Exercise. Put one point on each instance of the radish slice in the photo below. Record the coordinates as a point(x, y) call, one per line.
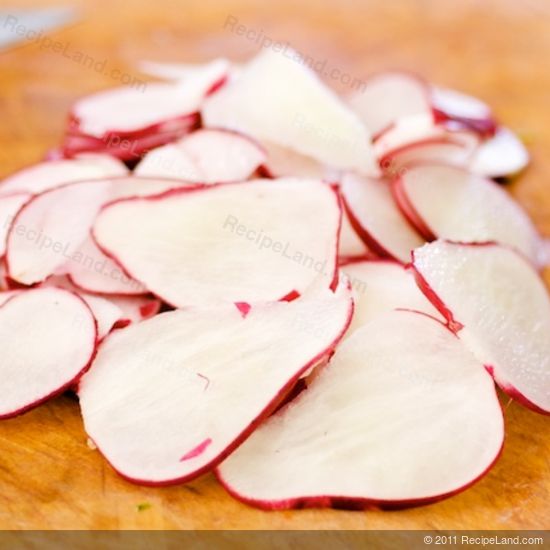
point(469, 111)
point(376, 218)
point(47, 175)
point(403, 415)
point(388, 97)
point(48, 230)
point(48, 341)
point(350, 244)
point(215, 71)
point(453, 148)
point(177, 404)
point(91, 270)
point(6, 295)
point(282, 161)
point(497, 301)
point(450, 203)
point(382, 286)
point(244, 242)
point(9, 206)
point(206, 156)
point(132, 109)
point(501, 156)
point(305, 116)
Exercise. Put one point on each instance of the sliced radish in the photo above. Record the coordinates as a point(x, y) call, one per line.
point(48, 341)
point(469, 111)
point(91, 270)
point(403, 415)
point(244, 242)
point(455, 148)
point(49, 229)
point(501, 308)
point(190, 385)
point(380, 286)
point(389, 96)
point(502, 155)
point(350, 244)
point(376, 218)
point(305, 116)
point(9, 206)
point(215, 71)
point(283, 162)
point(47, 175)
point(206, 156)
point(5, 295)
point(451, 203)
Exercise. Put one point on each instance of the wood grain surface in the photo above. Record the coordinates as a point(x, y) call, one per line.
point(498, 50)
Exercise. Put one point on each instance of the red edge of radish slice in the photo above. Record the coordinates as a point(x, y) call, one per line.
point(340, 318)
point(276, 443)
point(80, 319)
point(458, 324)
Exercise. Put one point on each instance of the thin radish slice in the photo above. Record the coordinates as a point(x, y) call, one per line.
point(284, 162)
point(376, 218)
point(469, 111)
point(501, 156)
point(47, 175)
point(500, 307)
point(9, 206)
point(133, 109)
point(177, 404)
point(389, 96)
point(48, 341)
point(453, 148)
point(451, 203)
point(381, 286)
point(91, 270)
point(403, 415)
point(350, 244)
point(306, 116)
point(48, 230)
point(206, 156)
point(241, 242)
point(217, 70)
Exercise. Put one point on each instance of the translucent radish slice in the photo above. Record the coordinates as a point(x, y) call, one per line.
point(376, 218)
point(388, 97)
point(190, 385)
point(305, 116)
point(9, 206)
point(501, 156)
point(402, 415)
point(451, 203)
point(206, 156)
point(244, 242)
point(48, 339)
point(501, 308)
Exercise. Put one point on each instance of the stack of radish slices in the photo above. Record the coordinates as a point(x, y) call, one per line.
point(313, 296)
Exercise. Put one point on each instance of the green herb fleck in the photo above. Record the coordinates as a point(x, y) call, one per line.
point(142, 506)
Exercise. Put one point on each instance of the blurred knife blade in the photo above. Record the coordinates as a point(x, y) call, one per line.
point(19, 26)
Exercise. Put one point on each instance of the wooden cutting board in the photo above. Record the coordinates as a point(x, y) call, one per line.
point(49, 478)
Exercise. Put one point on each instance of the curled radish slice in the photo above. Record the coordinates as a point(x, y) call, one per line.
point(402, 415)
point(206, 156)
point(306, 116)
point(389, 96)
point(376, 218)
point(48, 339)
point(240, 242)
point(501, 156)
point(500, 307)
point(451, 203)
point(177, 404)
point(380, 286)
point(47, 175)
